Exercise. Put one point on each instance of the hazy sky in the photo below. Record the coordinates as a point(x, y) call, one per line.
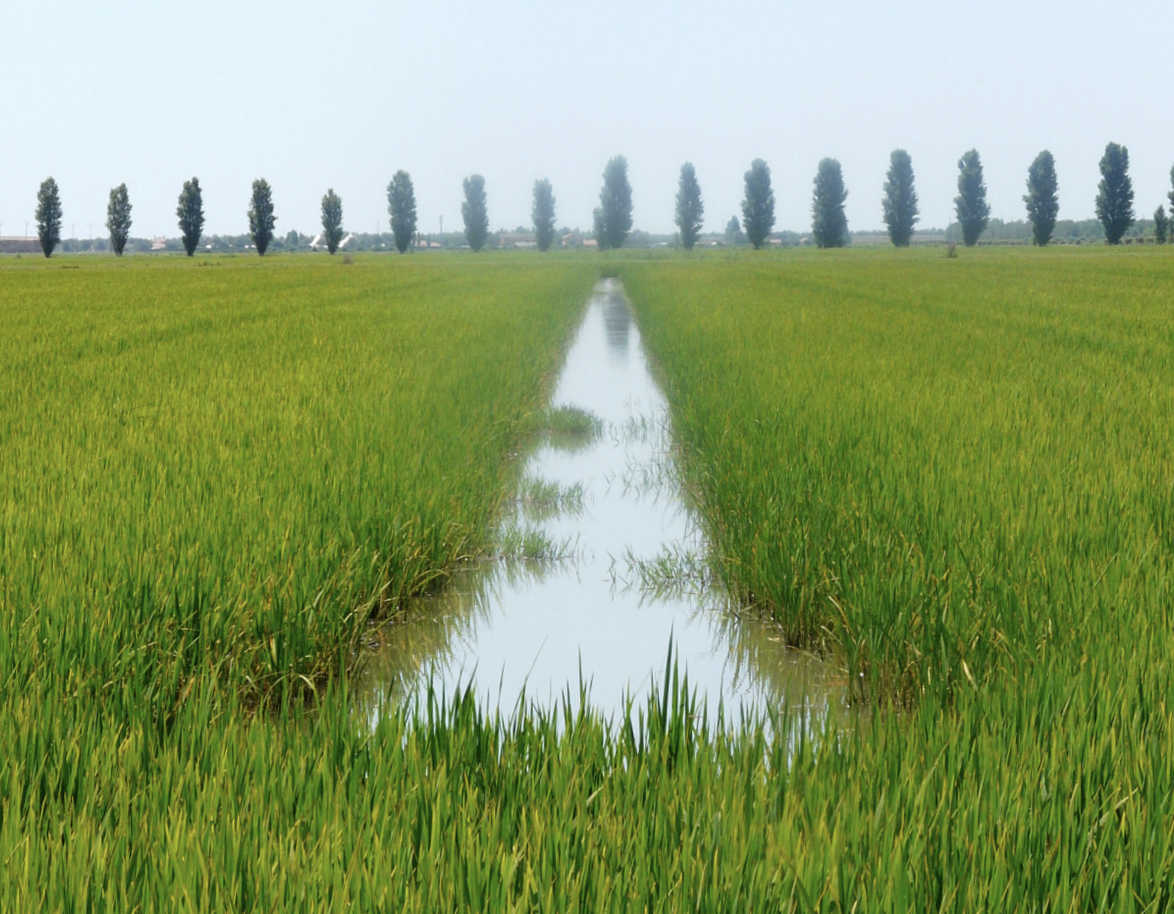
point(318, 95)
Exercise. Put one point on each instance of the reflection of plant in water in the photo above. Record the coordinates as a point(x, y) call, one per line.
point(758, 651)
point(641, 429)
point(756, 646)
point(676, 572)
point(423, 636)
point(519, 541)
point(570, 428)
point(541, 498)
point(423, 633)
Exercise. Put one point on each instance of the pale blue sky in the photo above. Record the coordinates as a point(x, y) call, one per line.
point(318, 95)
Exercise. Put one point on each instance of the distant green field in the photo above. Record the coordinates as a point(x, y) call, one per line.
point(954, 475)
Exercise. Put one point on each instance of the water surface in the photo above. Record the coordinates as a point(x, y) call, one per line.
point(634, 575)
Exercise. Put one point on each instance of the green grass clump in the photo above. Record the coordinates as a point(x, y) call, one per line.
point(569, 428)
point(542, 498)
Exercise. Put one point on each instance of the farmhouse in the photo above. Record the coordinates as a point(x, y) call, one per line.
point(517, 240)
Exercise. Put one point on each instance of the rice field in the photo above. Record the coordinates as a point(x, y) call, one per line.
point(953, 475)
point(956, 475)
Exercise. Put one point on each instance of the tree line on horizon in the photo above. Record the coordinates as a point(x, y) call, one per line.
point(612, 219)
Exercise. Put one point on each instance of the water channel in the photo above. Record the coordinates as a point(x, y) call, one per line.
point(631, 577)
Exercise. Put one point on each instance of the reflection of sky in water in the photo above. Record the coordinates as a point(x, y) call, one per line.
point(509, 627)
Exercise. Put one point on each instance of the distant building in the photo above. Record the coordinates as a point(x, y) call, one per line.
point(159, 243)
point(572, 240)
point(20, 244)
point(518, 240)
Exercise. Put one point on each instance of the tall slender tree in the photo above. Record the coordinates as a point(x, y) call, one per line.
point(1043, 206)
point(734, 233)
point(829, 225)
point(900, 199)
point(191, 214)
point(48, 215)
point(598, 229)
point(1170, 195)
point(475, 212)
point(973, 211)
point(542, 212)
point(690, 209)
point(615, 203)
point(1161, 224)
point(331, 220)
point(261, 218)
point(1115, 193)
point(758, 204)
point(401, 206)
point(118, 218)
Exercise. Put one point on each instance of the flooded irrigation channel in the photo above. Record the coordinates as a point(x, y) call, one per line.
point(626, 573)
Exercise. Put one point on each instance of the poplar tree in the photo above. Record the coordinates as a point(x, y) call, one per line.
point(734, 233)
point(191, 214)
point(475, 212)
point(118, 218)
point(1115, 193)
point(401, 206)
point(542, 212)
point(900, 199)
point(690, 209)
point(615, 204)
point(973, 211)
point(48, 215)
point(331, 220)
point(829, 224)
point(1161, 224)
point(758, 204)
point(1043, 206)
point(261, 218)
point(598, 229)
point(1170, 195)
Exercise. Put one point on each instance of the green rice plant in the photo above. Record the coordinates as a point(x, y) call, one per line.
point(522, 541)
point(543, 498)
point(240, 467)
point(955, 478)
point(674, 572)
point(954, 474)
point(950, 468)
point(569, 428)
